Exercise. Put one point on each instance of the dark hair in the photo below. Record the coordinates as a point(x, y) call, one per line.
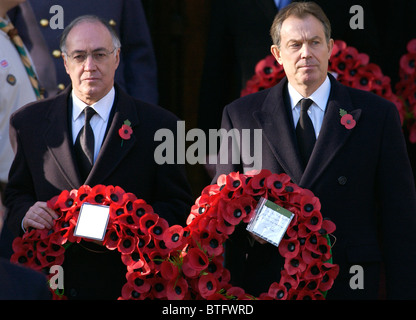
point(88, 18)
point(300, 10)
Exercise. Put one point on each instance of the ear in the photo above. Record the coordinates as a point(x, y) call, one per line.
point(65, 62)
point(276, 53)
point(330, 47)
point(118, 57)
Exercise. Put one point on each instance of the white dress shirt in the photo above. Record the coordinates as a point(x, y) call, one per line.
point(317, 110)
point(98, 122)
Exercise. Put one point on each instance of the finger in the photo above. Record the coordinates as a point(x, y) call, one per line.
point(28, 222)
point(39, 217)
point(42, 209)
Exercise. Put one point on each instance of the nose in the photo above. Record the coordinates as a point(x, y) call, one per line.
point(305, 51)
point(89, 63)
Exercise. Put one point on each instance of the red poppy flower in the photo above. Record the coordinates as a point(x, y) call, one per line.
point(140, 208)
point(237, 210)
point(114, 194)
point(330, 272)
point(140, 283)
point(213, 244)
point(408, 63)
point(173, 236)
point(168, 270)
point(308, 204)
point(148, 220)
point(66, 200)
point(314, 221)
point(129, 293)
point(289, 248)
point(216, 266)
point(277, 291)
point(276, 183)
point(135, 260)
point(176, 289)
point(348, 121)
point(196, 258)
point(125, 131)
point(158, 287)
point(127, 244)
point(23, 251)
point(236, 293)
point(158, 229)
point(306, 294)
point(207, 285)
point(295, 265)
point(97, 195)
point(327, 227)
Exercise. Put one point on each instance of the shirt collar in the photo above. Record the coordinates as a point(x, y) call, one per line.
point(319, 97)
point(102, 106)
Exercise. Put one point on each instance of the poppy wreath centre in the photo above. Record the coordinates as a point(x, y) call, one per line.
point(178, 263)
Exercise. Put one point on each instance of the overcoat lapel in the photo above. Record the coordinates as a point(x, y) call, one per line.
point(114, 148)
point(58, 139)
point(279, 133)
point(278, 130)
point(333, 134)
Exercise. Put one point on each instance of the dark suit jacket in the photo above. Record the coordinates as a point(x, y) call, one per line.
point(20, 283)
point(362, 177)
point(44, 164)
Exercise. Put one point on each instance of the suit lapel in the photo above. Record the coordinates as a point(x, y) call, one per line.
point(114, 149)
point(58, 139)
point(278, 130)
point(333, 134)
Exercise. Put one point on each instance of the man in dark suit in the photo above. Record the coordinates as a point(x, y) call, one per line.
point(359, 170)
point(46, 135)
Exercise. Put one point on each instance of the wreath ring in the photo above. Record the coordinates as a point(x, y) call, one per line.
point(175, 262)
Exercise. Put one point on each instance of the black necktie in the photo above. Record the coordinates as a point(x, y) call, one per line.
point(305, 132)
point(84, 145)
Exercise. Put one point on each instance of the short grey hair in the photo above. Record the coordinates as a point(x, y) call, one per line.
point(300, 10)
point(89, 18)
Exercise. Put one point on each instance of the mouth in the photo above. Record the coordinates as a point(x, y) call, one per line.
point(308, 66)
point(90, 79)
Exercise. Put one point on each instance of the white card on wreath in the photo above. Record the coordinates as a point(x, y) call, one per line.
point(92, 221)
point(270, 221)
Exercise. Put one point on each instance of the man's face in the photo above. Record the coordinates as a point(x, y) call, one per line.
point(93, 78)
point(304, 53)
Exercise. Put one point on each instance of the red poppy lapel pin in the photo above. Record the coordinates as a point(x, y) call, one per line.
point(346, 119)
point(125, 131)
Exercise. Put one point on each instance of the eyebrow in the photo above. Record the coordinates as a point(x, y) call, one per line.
point(95, 50)
point(301, 40)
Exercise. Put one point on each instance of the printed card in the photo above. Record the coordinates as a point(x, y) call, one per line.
point(92, 221)
point(270, 221)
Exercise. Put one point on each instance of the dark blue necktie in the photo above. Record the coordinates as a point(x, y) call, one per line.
point(84, 145)
point(305, 133)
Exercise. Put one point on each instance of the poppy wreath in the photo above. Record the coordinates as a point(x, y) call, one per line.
point(406, 89)
point(175, 262)
point(353, 69)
